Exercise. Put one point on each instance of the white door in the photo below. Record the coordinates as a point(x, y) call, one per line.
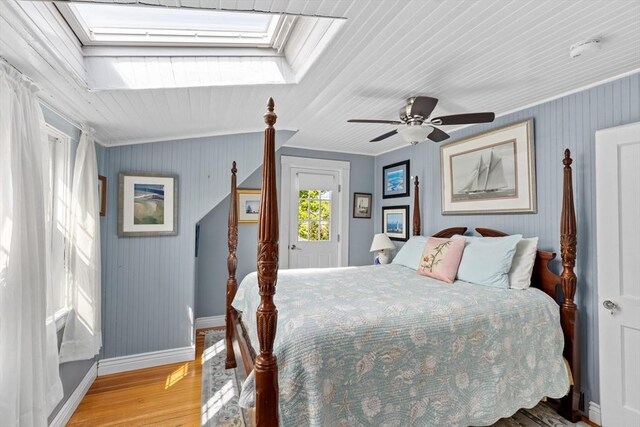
point(314, 214)
point(313, 236)
point(618, 245)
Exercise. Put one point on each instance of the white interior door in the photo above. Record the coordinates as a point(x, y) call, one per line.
point(314, 217)
point(313, 225)
point(618, 234)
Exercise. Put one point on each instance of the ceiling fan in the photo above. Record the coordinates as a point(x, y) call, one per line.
point(419, 126)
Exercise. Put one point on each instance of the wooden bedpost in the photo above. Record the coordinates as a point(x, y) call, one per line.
point(232, 284)
point(266, 367)
point(416, 207)
point(568, 281)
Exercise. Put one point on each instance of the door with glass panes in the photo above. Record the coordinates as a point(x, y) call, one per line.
point(314, 210)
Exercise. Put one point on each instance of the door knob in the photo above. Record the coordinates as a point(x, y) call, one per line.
point(610, 305)
point(294, 247)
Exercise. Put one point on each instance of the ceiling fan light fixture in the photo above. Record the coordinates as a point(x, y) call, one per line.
point(415, 134)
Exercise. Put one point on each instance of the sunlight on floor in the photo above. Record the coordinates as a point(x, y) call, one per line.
point(216, 402)
point(177, 375)
point(215, 349)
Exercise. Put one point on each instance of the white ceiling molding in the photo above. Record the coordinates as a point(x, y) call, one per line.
point(473, 56)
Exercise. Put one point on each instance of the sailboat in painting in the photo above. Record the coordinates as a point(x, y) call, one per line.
point(486, 177)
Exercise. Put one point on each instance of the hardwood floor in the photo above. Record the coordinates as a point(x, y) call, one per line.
point(166, 395)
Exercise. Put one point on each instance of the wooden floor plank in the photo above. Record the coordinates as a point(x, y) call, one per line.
point(167, 395)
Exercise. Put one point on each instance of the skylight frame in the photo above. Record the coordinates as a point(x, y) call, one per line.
point(170, 37)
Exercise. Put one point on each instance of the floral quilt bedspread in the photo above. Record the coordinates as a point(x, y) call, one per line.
point(384, 346)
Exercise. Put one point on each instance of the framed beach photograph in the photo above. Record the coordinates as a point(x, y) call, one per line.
point(102, 194)
point(395, 222)
point(395, 180)
point(248, 205)
point(493, 172)
point(147, 205)
point(362, 205)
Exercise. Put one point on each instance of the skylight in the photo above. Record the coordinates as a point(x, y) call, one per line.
point(123, 25)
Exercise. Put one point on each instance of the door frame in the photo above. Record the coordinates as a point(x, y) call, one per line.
point(344, 171)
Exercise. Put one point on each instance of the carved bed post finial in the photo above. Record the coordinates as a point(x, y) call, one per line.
point(568, 281)
point(232, 284)
point(416, 207)
point(266, 367)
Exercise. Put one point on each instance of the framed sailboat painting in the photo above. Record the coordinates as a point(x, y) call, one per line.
point(493, 172)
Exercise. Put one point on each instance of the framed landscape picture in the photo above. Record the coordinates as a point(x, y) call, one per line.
point(395, 180)
point(362, 205)
point(493, 172)
point(248, 206)
point(147, 205)
point(395, 222)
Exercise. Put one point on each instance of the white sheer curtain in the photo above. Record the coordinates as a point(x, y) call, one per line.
point(82, 336)
point(30, 385)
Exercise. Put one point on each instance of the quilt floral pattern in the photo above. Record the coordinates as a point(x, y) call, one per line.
point(383, 346)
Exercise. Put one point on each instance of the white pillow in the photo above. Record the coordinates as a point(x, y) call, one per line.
point(522, 264)
point(410, 253)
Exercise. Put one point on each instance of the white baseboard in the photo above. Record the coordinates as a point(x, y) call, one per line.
point(209, 322)
point(114, 365)
point(594, 413)
point(64, 415)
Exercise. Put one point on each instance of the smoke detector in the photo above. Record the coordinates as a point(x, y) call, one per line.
point(584, 47)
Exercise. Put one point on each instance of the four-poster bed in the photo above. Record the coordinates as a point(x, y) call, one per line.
point(264, 364)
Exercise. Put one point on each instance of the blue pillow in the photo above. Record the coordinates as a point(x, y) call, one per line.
point(487, 260)
point(410, 253)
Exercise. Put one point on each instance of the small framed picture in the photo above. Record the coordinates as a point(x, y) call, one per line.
point(362, 205)
point(395, 222)
point(102, 194)
point(147, 205)
point(395, 180)
point(248, 205)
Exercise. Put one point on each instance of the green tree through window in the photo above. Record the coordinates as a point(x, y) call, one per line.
point(314, 215)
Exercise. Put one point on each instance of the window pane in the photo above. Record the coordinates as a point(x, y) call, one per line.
point(324, 231)
point(303, 194)
point(314, 209)
point(303, 209)
point(303, 230)
point(313, 230)
point(325, 210)
point(314, 194)
point(123, 16)
point(325, 195)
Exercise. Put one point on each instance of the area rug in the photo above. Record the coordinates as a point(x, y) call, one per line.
point(221, 389)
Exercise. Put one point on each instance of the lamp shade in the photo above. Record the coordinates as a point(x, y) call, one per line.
point(381, 242)
point(415, 134)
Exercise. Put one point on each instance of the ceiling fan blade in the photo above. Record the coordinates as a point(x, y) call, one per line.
point(384, 136)
point(464, 119)
point(388, 122)
point(438, 135)
point(423, 106)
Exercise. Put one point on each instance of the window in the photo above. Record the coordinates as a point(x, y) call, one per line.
point(125, 25)
point(59, 209)
point(314, 215)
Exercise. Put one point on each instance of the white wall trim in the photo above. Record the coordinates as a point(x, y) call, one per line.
point(344, 170)
point(209, 322)
point(64, 415)
point(114, 365)
point(595, 415)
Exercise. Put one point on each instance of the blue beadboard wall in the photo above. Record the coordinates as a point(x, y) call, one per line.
point(149, 282)
point(568, 122)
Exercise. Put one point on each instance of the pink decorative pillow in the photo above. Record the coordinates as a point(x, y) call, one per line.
point(441, 258)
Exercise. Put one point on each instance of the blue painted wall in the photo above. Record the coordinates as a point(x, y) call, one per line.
point(568, 122)
point(149, 282)
point(212, 260)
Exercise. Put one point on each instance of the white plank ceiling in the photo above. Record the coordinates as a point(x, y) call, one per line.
point(494, 55)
